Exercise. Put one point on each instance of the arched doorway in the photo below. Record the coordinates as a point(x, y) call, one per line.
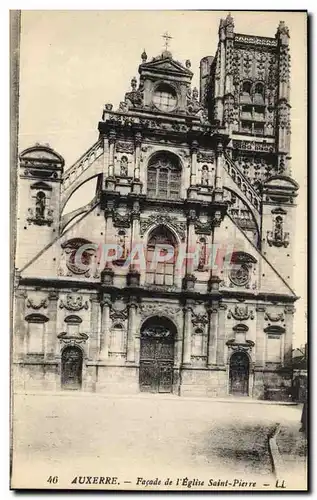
point(72, 366)
point(239, 374)
point(157, 355)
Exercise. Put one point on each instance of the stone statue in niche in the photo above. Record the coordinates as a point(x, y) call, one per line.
point(204, 175)
point(278, 233)
point(40, 205)
point(122, 243)
point(202, 254)
point(124, 166)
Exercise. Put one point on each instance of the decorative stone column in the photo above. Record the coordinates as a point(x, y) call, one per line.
point(19, 324)
point(51, 328)
point(213, 334)
point(105, 304)
point(94, 341)
point(219, 172)
point(260, 337)
point(221, 335)
point(137, 155)
point(288, 341)
point(105, 155)
point(187, 336)
point(132, 330)
point(193, 170)
point(112, 142)
point(191, 245)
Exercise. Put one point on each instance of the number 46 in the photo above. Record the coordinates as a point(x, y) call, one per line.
point(53, 479)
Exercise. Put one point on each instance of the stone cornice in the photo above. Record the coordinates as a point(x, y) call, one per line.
point(179, 294)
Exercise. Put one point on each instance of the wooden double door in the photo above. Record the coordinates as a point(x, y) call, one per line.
point(72, 366)
point(239, 374)
point(156, 364)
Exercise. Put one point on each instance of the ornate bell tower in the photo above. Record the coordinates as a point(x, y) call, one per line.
point(41, 171)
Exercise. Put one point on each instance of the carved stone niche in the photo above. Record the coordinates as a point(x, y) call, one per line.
point(239, 342)
point(72, 336)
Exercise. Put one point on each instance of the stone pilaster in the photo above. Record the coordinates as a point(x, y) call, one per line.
point(19, 331)
point(219, 172)
point(105, 327)
point(112, 143)
point(187, 336)
point(221, 335)
point(193, 169)
point(288, 341)
point(135, 225)
point(105, 155)
point(95, 317)
point(132, 324)
point(260, 337)
point(213, 334)
point(137, 155)
point(191, 242)
point(51, 327)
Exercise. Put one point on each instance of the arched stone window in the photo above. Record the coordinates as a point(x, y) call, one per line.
point(246, 92)
point(161, 243)
point(73, 323)
point(258, 97)
point(117, 341)
point(164, 176)
point(35, 333)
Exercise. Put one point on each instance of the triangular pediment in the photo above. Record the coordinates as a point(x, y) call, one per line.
point(165, 65)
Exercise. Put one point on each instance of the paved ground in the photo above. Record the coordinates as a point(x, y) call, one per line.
point(147, 437)
point(292, 445)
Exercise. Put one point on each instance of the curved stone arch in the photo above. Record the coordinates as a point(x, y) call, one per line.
point(247, 353)
point(36, 318)
point(76, 346)
point(153, 315)
point(73, 319)
point(169, 151)
point(68, 193)
point(168, 226)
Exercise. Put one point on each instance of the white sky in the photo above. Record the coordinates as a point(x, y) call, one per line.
point(72, 62)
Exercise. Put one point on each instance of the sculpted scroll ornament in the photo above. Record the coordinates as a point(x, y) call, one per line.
point(274, 317)
point(73, 303)
point(124, 147)
point(159, 310)
point(199, 319)
point(240, 313)
point(43, 303)
point(205, 157)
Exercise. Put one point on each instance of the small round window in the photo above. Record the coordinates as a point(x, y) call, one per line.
point(165, 98)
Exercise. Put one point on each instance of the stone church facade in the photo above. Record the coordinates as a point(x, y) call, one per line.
point(205, 173)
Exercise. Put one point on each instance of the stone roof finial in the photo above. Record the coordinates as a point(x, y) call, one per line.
point(282, 29)
point(144, 56)
point(188, 64)
point(133, 83)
